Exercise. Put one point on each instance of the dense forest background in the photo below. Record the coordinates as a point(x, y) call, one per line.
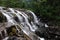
point(47, 10)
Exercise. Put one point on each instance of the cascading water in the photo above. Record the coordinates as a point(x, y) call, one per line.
point(23, 23)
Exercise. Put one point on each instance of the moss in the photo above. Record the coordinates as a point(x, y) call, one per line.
point(10, 34)
point(11, 31)
point(14, 30)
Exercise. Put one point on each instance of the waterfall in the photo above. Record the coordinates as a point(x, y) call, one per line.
point(35, 17)
point(26, 27)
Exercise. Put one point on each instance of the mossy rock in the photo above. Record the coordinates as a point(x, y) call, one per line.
point(11, 31)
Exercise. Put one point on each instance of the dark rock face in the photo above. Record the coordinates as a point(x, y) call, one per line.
point(3, 34)
point(42, 32)
point(2, 18)
point(0, 37)
point(16, 19)
point(12, 38)
point(48, 33)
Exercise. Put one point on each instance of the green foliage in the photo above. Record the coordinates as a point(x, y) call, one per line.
point(49, 9)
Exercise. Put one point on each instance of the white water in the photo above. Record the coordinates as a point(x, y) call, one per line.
point(35, 17)
point(27, 28)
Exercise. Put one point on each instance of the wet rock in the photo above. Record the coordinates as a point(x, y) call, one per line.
point(11, 30)
point(12, 38)
point(42, 32)
point(48, 33)
point(0, 37)
point(3, 34)
point(2, 18)
point(16, 19)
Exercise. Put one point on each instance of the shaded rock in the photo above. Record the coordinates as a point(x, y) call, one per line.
point(12, 38)
point(2, 18)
